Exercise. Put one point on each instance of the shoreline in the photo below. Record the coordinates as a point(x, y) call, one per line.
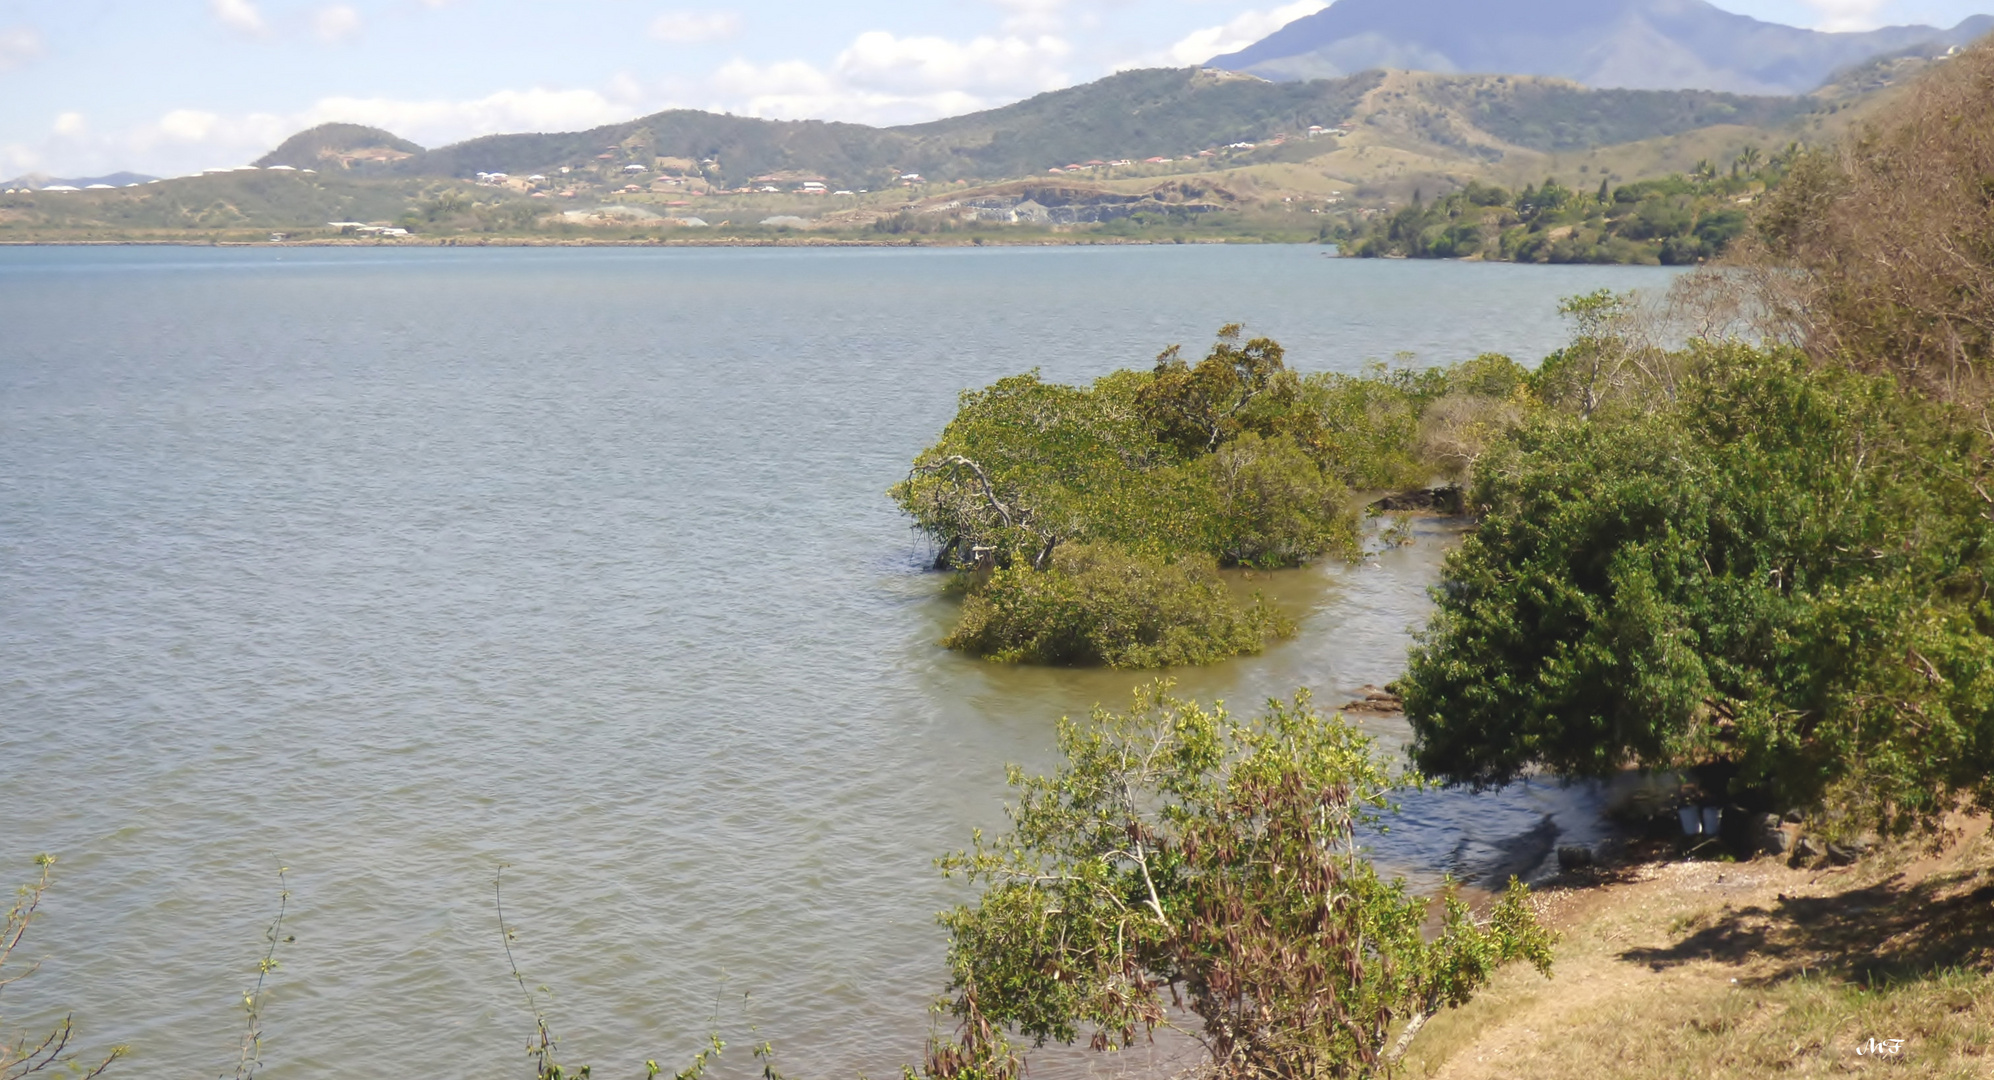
point(653, 242)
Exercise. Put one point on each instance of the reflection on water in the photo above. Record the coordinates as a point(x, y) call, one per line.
point(392, 569)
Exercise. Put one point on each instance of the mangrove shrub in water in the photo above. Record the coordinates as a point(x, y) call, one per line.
point(1097, 604)
point(1234, 460)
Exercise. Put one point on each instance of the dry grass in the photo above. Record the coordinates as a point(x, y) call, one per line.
point(1747, 970)
point(1893, 237)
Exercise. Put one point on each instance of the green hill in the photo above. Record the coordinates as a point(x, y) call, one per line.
point(1167, 112)
point(341, 146)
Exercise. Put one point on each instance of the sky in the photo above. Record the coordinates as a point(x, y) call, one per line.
point(169, 87)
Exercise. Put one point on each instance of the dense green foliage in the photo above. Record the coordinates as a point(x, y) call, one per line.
point(1673, 220)
point(1184, 855)
point(1724, 558)
point(1099, 605)
point(1233, 460)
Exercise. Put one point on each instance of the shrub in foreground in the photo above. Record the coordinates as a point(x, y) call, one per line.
point(1098, 604)
point(1182, 855)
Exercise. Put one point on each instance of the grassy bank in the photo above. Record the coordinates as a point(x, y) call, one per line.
point(1748, 970)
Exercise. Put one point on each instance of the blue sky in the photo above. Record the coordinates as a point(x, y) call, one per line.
point(174, 86)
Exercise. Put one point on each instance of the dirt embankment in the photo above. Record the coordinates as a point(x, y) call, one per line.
point(1708, 969)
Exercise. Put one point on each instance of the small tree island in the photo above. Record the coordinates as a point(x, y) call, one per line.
point(1088, 524)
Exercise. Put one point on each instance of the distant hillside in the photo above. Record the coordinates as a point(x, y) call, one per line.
point(340, 146)
point(1130, 116)
point(1630, 44)
point(1134, 114)
point(1181, 149)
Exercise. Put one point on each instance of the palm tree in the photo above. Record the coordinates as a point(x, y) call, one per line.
point(1704, 172)
point(1749, 159)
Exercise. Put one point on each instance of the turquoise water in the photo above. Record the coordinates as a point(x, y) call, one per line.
point(394, 567)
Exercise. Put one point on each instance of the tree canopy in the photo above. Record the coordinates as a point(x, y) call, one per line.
point(1767, 565)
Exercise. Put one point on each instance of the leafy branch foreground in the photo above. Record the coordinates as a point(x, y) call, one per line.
point(1184, 857)
point(26, 1055)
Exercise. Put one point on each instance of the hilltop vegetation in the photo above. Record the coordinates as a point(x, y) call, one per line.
point(1552, 115)
point(1673, 221)
point(340, 146)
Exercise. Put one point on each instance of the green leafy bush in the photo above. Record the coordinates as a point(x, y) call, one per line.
point(1098, 604)
point(1183, 855)
point(1233, 460)
point(1775, 568)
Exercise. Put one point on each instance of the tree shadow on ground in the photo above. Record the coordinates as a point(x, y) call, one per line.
point(1894, 929)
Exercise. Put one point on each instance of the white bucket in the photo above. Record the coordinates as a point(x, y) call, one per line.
point(1692, 820)
point(1713, 819)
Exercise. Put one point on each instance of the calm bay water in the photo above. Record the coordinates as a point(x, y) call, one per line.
point(394, 567)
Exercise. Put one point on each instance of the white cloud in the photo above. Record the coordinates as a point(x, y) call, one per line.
point(1847, 14)
point(1245, 29)
point(880, 60)
point(70, 124)
point(238, 14)
point(19, 45)
point(884, 79)
point(686, 27)
point(335, 23)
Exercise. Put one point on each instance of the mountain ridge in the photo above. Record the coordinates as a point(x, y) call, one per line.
point(1606, 44)
point(1130, 116)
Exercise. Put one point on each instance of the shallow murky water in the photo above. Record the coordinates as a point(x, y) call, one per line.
point(392, 568)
